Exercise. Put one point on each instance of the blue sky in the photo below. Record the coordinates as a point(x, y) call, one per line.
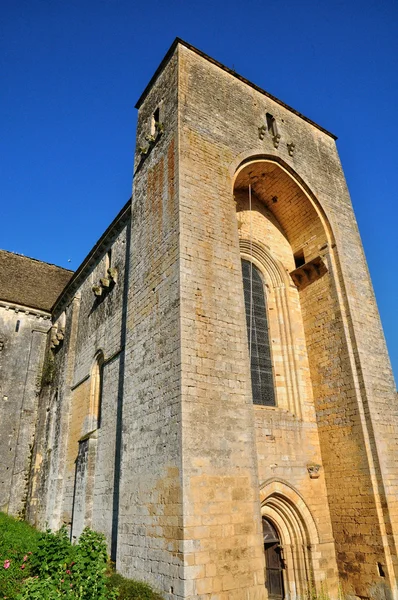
point(71, 72)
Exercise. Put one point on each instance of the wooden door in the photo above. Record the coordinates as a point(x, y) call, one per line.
point(273, 562)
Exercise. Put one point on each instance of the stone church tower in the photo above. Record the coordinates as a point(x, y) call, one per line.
point(217, 398)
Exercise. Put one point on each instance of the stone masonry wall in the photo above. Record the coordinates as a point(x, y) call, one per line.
point(66, 422)
point(223, 538)
point(99, 328)
point(219, 127)
point(46, 486)
point(174, 466)
point(22, 344)
point(150, 520)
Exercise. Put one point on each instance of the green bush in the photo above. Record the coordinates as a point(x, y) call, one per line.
point(62, 570)
point(129, 589)
point(53, 551)
point(45, 566)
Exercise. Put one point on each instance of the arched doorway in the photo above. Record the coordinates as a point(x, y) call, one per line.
point(293, 531)
point(274, 563)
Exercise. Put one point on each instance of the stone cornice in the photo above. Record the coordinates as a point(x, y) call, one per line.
point(27, 310)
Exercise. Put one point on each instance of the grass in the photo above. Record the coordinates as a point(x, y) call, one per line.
point(17, 540)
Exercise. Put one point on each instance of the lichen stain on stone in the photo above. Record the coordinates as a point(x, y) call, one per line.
point(166, 510)
point(170, 205)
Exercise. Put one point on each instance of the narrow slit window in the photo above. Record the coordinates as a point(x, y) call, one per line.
point(271, 125)
point(155, 120)
point(108, 260)
point(270, 122)
point(380, 570)
point(17, 325)
point(258, 337)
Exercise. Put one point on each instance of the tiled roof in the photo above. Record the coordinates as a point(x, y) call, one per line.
point(30, 282)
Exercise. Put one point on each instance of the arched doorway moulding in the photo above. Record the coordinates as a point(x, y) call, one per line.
point(285, 507)
point(277, 282)
point(249, 157)
point(279, 487)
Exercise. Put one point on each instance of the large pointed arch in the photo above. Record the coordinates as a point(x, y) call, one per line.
point(248, 158)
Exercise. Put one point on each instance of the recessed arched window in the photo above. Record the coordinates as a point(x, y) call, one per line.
point(97, 375)
point(258, 336)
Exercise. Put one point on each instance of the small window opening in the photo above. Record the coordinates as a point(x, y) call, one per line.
point(299, 259)
point(108, 260)
point(380, 570)
point(155, 120)
point(271, 124)
point(18, 323)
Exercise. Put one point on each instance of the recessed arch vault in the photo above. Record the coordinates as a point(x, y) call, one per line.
point(254, 161)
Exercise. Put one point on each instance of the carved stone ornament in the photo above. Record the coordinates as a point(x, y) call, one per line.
point(290, 147)
point(105, 282)
point(276, 139)
point(112, 273)
point(97, 289)
point(152, 139)
point(309, 272)
point(262, 131)
point(313, 470)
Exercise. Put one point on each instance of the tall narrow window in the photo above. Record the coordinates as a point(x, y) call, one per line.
point(155, 120)
point(97, 377)
point(108, 261)
point(258, 337)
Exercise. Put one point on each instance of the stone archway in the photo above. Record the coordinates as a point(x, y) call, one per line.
point(284, 507)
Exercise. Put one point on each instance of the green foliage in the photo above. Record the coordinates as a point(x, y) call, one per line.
point(323, 593)
point(54, 550)
point(39, 589)
point(129, 589)
point(62, 570)
point(45, 566)
point(18, 543)
point(87, 571)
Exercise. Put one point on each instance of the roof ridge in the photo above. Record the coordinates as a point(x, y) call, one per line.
point(44, 262)
point(232, 72)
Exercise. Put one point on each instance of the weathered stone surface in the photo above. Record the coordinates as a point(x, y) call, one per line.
point(22, 345)
point(145, 427)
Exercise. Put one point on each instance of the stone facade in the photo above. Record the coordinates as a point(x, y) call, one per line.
point(23, 341)
point(145, 427)
point(28, 289)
